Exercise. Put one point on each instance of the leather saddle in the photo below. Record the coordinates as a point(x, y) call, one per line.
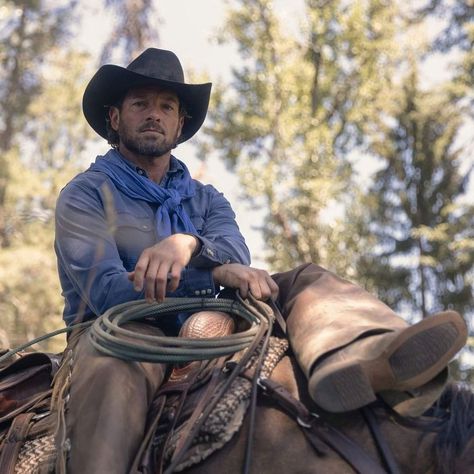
point(24, 382)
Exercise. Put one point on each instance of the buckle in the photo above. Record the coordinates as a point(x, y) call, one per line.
point(307, 423)
point(260, 383)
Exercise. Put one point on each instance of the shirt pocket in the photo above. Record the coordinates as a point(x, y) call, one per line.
point(133, 235)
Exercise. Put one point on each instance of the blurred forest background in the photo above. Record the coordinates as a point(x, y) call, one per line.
point(350, 158)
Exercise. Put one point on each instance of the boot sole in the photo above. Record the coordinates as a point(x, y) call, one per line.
point(351, 384)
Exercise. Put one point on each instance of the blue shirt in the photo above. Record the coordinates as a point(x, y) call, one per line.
point(101, 233)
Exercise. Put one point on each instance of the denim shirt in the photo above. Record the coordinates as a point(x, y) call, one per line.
point(101, 233)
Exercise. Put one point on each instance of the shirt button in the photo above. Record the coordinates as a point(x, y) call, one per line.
point(145, 226)
point(197, 292)
point(210, 252)
point(203, 292)
point(209, 291)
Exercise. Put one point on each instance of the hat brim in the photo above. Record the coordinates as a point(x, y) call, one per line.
point(111, 82)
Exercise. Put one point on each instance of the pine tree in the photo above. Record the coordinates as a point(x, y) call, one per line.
point(295, 109)
point(28, 30)
point(41, 138)
point(423, 230)
point(457, 34)
point(136, 29)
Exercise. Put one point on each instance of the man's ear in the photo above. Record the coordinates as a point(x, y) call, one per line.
point(114, 117)
point(180, 125)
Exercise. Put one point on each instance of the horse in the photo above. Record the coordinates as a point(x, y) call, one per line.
point(439, 442)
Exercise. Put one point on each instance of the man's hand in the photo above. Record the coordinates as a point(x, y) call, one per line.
point(246, 279)
point(159, 267)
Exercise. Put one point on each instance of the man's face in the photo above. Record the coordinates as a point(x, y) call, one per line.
point(148, 122)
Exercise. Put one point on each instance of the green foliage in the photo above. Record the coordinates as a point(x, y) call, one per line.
point(135, 29)
point(41, 138)
point(457, 34)
point(424, 232)
point(297, 106)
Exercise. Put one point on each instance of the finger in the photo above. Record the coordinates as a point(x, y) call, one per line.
point(255, 286)
point(131, 276)
point(161, 281)
point(140, 270)
point(150, 279)
point(174, 277)
point(244, 288)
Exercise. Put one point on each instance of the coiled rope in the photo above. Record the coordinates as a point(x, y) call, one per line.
point(109, 337)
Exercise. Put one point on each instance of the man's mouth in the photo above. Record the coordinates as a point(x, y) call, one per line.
point(152, 129)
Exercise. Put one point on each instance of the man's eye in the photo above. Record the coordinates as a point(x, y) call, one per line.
point(139, 103)
point(168, 107)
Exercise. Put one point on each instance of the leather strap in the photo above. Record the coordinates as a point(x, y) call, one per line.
point(140, 461)
point(384, 449)
point(192, 426)
point(316, 429)
point(277, 313)
point(14, 441)
point(28, 405)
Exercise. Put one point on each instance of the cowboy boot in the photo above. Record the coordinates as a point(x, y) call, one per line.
point(401, 360)
point(335, 326)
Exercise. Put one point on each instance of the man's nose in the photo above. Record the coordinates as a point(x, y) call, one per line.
point(154, 113)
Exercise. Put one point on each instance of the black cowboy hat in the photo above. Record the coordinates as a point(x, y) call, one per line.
point(153, 67)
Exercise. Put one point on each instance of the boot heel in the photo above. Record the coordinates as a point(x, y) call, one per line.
point(342, 388)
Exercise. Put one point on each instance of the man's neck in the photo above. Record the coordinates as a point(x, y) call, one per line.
point(155, 167)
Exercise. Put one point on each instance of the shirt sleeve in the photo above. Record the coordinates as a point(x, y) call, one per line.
point(221, 239)
point(87, 253)
point(88, 259)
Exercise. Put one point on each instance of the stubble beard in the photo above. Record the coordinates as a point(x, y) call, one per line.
point(146, 146)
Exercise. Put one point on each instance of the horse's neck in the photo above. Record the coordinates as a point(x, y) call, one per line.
point(407, 443)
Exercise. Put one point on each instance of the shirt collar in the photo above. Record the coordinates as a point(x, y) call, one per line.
point(175, 168)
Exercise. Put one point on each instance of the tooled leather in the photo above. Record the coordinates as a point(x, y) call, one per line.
point(207, 324)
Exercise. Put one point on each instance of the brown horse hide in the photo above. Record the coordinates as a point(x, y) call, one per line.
point(279, 445)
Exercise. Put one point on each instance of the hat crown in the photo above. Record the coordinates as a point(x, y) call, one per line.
point(159, 64)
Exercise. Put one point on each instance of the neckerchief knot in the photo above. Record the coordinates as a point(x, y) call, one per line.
point(170, 216)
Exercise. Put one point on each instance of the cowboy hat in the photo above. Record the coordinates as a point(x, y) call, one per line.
point(153, 67)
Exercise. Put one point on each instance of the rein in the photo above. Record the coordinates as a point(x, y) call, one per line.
point(382, 446)
point(316, 429)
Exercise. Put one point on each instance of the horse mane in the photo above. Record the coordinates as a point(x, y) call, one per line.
point(455, 408)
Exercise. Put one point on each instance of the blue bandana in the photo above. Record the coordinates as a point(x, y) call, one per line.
point(170, 215)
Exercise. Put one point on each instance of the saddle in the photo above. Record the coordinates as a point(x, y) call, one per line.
point(27, 443)
point(25, 390)
point(179, 404)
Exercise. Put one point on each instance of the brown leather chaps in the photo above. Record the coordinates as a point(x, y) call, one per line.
point(325, 313)
point(107, 407)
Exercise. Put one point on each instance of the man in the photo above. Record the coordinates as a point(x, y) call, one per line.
point(135, 225)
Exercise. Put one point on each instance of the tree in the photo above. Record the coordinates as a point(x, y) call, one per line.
point(42, 135)
point(27, 30)
point(50, 153)
point(423, 231)
point(295, 109)
point(457, 34)
point(135, 30)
